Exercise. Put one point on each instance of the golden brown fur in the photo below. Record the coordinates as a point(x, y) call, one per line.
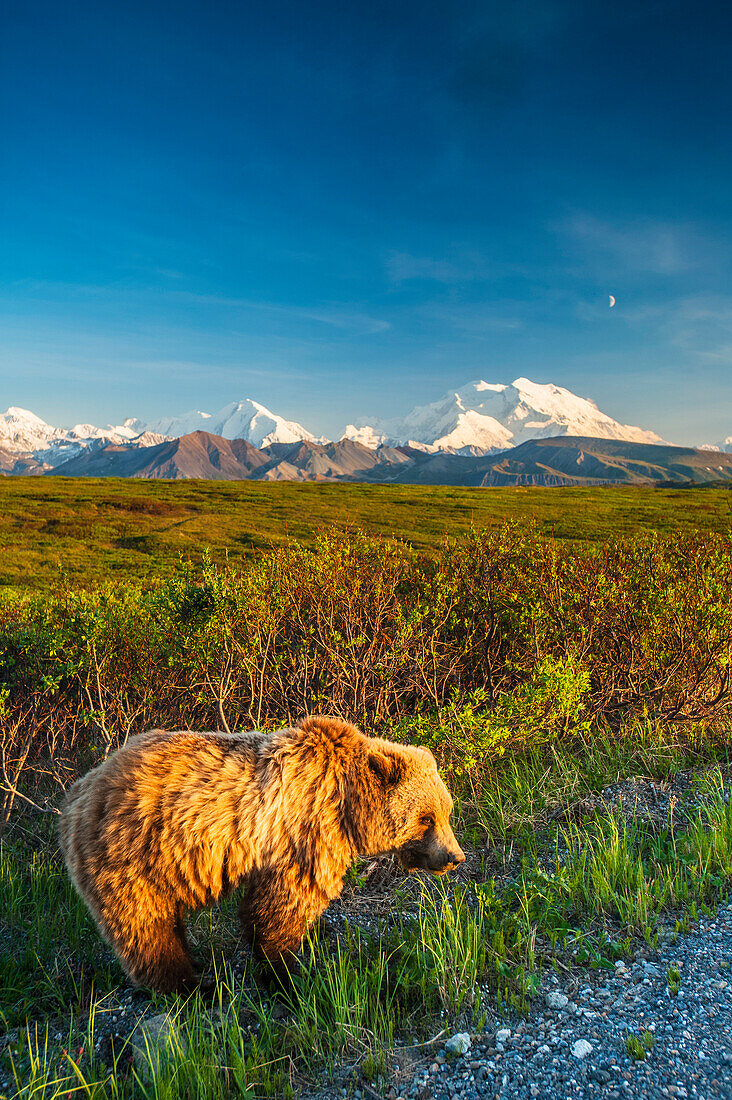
point(175, 820)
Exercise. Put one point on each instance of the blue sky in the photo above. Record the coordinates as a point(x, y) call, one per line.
point(343, 209)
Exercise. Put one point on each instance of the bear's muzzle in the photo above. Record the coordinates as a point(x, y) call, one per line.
point(434, 857)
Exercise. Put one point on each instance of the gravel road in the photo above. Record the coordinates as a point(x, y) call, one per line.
point(573, 1045)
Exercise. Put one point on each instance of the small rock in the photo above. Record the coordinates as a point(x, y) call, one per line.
point(503, 1035)
point(556, 1000)
point(149, 1041)
point(581, 1049)
point(650, 970)
point(458, 1044)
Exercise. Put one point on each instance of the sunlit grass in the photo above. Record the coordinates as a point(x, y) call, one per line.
point(85, 530)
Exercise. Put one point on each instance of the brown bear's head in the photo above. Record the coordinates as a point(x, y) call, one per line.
point(410, 808)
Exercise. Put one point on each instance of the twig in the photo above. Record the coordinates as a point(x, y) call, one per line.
point(219, 696)
point(372, 1093)
point(17, 794)
point(429, 1042)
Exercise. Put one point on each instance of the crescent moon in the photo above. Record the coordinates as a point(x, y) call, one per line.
point(612, 301)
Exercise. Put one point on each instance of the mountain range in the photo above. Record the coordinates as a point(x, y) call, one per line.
point(566, 460)
point(478, 418)
point(483, 416)
point(482, 433)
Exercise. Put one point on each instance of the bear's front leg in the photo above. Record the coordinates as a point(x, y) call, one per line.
point(275, 914)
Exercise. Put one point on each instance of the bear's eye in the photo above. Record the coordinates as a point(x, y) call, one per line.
point(428, 820)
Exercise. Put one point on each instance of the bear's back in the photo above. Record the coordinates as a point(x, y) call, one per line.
point(160, 781)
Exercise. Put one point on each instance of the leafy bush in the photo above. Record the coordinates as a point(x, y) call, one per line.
point(507, 636)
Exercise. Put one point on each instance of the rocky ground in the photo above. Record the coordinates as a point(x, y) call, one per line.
point(574, 1044)
point(676, 1001)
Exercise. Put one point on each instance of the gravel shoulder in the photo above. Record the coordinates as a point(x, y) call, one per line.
point(573, 1045)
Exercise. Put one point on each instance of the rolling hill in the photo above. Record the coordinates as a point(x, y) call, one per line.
point(559, 460)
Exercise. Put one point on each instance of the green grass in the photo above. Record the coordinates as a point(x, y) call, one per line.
point(50, 951)
point(673, 980)
point(638, 1046)
point(82, 531)
point(556, 887)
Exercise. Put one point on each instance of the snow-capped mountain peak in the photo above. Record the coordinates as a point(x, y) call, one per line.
point(478, 418)
point(244, 419)
point(495, 416)
point(20, 427)
point(724, 445)
point(22, 431)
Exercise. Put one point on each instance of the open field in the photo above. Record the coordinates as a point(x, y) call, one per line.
point(57, 531)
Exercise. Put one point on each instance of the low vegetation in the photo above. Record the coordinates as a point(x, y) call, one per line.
point(66, 532)
point(449, 957)
point(543, 674)
point(639, 1046)
point(515, 639)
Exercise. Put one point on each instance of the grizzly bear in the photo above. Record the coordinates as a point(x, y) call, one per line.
point(176, 820)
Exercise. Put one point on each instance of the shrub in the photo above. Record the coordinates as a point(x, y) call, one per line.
point(508, 636)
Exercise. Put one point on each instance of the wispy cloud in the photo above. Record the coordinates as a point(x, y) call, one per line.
point(699, 326)
point(156, 298)
point(658, 248)
point(334, 315)
point(404, 267)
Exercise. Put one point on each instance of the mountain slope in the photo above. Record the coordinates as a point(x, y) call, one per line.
point(23, 432)
point(203, 455)
point(559, 460)
point(567, 461)
point(346, 460)
point(485, 416)
point(19, 463)
point(244, 419)
point(479, 418)
point(197, 455)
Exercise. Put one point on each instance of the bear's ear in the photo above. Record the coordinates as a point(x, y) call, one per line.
point(386, 767)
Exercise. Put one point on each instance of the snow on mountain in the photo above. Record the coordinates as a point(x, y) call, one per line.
point(23, 431)
point(484, 416)
point(367, 435)
point(244, 419)
point(479, 418)
point(725, 445)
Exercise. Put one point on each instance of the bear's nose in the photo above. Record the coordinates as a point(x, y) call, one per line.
point(457, 858)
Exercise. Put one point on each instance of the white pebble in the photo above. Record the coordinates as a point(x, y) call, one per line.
point(581, 1049)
